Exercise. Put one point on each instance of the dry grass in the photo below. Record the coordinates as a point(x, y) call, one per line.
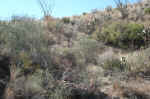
point(131, 89)
point(9, 92)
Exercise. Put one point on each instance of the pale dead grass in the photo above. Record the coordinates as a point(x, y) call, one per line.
point(139, 86)
point(134, 87)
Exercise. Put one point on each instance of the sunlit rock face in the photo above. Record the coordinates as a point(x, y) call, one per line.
point(4, 73)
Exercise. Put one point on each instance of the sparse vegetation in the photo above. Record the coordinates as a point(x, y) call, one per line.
point(81, 57)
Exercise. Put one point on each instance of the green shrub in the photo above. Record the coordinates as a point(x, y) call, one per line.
point(121, 35)
point(113, 64)
point(66, 20)
point(88, 48)
point(147, 10)
point(84, 13)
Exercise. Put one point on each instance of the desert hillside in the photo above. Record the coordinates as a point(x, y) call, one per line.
point(104, 54)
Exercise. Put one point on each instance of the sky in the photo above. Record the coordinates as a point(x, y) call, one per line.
point(61, 8)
